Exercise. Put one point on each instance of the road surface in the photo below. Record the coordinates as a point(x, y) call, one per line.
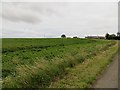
point(109, 78)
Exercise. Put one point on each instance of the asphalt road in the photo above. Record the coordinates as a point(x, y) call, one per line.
point(109, 78)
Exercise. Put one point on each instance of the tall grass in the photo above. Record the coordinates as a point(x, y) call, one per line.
point(84, 75)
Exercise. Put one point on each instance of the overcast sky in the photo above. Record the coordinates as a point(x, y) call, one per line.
point(51, 19)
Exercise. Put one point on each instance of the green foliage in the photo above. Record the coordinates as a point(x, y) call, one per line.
point(84, 75)
point(112, 36)
point(63, 36)
point(36, 62)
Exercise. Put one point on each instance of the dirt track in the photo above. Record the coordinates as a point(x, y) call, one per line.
point(109, 78)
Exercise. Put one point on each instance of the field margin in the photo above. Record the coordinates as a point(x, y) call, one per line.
point(76, 79)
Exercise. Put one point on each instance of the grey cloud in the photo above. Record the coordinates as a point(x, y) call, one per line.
point(72, 19)
point(26, 12)
point(17, 14)
point(24, 18)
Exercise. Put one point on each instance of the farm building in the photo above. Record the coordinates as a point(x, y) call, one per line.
point(95, 37)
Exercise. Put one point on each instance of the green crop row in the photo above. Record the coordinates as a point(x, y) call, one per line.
point(14, 44)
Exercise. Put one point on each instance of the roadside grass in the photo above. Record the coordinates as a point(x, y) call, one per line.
point(43, 71)
point(83, 75)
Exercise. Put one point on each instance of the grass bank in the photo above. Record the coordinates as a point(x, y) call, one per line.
point(83, 75)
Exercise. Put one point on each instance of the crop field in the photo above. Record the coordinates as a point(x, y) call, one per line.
point(35, 63)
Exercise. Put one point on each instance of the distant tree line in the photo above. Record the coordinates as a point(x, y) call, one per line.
point(64, 36)
point(107, 36)
point(113, 36)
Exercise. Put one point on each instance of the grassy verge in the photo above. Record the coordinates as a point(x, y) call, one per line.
point(83, 75)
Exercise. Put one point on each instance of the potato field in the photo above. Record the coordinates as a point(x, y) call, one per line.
point(36, 62)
